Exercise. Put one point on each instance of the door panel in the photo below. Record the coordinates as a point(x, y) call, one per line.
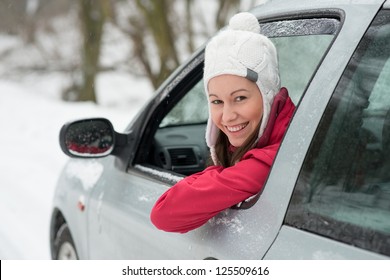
point(343, 190)
point(294, 244)
point(120, 227)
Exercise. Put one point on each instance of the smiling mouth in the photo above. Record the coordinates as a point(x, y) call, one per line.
point(236, 128)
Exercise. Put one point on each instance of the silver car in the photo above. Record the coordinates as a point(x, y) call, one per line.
point(328, 193)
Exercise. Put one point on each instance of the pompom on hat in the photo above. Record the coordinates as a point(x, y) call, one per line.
point(241, 50)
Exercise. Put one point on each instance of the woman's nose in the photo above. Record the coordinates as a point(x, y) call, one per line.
point(229, 114)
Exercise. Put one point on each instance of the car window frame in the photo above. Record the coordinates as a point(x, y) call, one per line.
point(188, 77)
point(165, 101)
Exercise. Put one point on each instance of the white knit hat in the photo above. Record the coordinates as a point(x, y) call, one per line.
point(241, 50)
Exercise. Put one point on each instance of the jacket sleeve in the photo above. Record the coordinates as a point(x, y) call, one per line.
point(194, 200)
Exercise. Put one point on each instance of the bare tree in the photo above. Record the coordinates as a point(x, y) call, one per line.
point(170, 26)
point(92, 15)
point(24, 17)
point(92, 20)
point(224, 10)
point(156, 14)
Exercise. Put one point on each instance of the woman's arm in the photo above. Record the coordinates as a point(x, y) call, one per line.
point(194, 200)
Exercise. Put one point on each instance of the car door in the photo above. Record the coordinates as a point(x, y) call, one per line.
point(340, 207)
point(172, 145)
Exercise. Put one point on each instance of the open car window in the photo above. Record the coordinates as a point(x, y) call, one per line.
point(178, 143)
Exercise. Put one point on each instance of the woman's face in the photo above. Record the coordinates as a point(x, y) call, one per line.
point(236, 106)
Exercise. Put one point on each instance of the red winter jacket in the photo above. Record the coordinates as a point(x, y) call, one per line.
point(194, 200)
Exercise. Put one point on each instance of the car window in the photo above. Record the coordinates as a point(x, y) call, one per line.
point(301, 45)
point(191, 109)
point(179, 143)
point(299, 57)
point(343, 190)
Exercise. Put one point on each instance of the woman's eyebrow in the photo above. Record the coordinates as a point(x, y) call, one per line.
point(238, 90)
point(233, 92)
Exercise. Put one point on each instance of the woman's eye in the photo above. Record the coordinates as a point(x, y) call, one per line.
point(240, 98)
point(216, 102)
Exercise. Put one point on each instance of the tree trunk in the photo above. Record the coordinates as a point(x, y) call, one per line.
point(224, 10)
point(92, 21)
point(156, 14)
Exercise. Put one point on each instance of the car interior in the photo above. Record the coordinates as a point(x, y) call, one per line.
point(179, 142)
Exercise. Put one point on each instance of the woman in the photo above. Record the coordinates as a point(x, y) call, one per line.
point(249, 114)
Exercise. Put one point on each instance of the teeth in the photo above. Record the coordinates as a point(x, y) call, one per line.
point(236, 128)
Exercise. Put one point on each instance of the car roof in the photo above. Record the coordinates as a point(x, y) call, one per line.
point(272, 8)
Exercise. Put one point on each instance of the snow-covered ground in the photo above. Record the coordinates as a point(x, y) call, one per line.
point(31, 160)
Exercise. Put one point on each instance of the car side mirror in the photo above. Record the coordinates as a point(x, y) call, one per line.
point(88, 138)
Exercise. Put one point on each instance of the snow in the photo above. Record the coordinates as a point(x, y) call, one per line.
point(31, 161)
point(159, 174)
point(92, 170)
point(233, 224)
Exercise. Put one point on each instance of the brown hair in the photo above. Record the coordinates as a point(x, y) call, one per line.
point(228, 158)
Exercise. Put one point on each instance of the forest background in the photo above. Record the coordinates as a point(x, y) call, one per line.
point(156, 36)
